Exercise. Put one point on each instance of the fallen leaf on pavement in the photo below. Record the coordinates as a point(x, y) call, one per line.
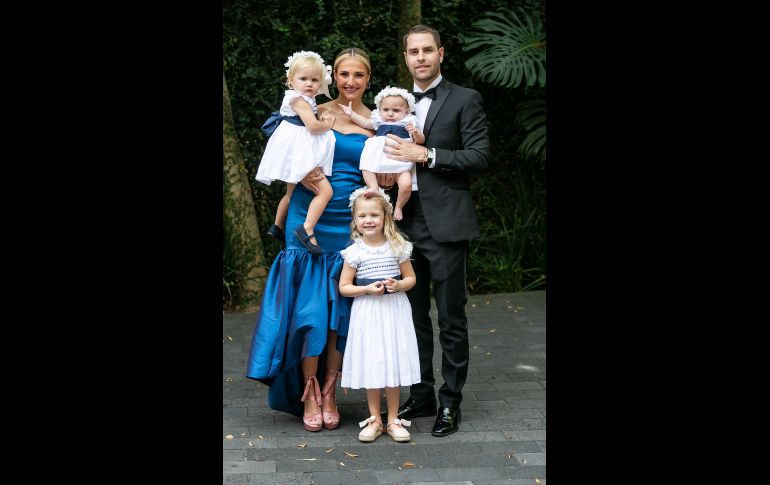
point(229, 379)
point(409, 464)
point(493, 330)
point(307, 459)
point(261, 437)
point(352, 455)
point(302, 445)
point(229, 437)
point(251, 444)
point(342, 464)
point(243, 434)
point(329, 450)
point(229, 337)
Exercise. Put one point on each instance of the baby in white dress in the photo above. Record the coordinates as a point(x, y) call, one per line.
point(393, 115)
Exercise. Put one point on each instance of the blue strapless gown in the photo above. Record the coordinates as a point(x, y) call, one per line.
point(301, 300)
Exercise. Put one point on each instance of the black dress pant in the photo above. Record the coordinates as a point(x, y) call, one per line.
point(444, 265)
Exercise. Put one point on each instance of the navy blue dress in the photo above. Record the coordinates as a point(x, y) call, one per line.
point(301, 302)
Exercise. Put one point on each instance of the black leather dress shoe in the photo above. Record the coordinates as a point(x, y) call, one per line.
point(447, 422)
point(413, 409)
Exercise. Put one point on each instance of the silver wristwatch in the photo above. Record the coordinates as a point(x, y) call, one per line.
point(431, 157)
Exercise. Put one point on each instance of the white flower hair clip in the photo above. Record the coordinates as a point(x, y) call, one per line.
point(326, 73)
point(394, 91)
point(360, 191)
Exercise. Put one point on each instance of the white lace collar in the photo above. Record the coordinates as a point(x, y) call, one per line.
point(373, 249)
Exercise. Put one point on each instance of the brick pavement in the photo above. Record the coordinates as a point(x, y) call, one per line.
point(502, 437)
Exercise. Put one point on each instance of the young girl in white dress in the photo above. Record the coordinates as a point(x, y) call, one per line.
point(381, 349)
point(393, 115)
point(295, 150)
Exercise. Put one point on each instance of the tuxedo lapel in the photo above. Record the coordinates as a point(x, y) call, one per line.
point(442, 92)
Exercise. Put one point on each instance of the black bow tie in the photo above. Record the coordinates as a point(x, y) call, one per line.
point(431, 93)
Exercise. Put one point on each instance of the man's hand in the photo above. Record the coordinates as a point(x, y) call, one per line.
point(311, 180)
point(398, 149)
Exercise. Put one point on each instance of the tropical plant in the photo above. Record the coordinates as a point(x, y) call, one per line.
point(513, 49)
point(530, 117)
point(513, 53)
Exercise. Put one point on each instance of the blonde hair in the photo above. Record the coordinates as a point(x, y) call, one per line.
point(356, 54)
point(301, 62)
point(392, 235)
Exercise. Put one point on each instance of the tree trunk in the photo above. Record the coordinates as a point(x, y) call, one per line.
point(411, 15)
point(243, 271)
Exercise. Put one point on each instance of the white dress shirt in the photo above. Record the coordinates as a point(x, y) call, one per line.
point(421, 111)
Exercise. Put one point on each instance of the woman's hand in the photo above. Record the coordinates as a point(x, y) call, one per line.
point(311, 180)
point(375, 289)
point(328, 118)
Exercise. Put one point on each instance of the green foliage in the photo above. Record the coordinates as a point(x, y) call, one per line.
point(531, 118)
point(259, 36)
point(510, 254)
point(513, 49)
point(257, 39)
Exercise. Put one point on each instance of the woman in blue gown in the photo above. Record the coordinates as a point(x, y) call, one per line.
point(302, 324)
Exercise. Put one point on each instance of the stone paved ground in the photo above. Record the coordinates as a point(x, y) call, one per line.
point(502, 433)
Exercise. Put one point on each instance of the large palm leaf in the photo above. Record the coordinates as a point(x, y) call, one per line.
point(531, 118)
point(513, 49)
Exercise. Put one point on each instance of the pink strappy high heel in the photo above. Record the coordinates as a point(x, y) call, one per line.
point(313, 422)
point(331, 418)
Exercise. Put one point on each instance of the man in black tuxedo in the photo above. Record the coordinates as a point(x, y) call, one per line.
point(440, 220)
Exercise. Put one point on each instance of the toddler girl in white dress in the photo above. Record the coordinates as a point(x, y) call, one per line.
point(381, 349)
point(300, 144)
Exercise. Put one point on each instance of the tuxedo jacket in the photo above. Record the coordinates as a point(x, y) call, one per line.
point(457, 128)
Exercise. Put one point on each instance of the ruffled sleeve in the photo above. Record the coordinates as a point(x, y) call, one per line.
point(289, 96)
point(410, 119)
point(352, 255)
point(376, 120)
point(407, 251)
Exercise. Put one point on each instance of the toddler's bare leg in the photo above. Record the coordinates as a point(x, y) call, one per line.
point(371, 183)
point(283, 206)
point(404, 181)
point(317, 206)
